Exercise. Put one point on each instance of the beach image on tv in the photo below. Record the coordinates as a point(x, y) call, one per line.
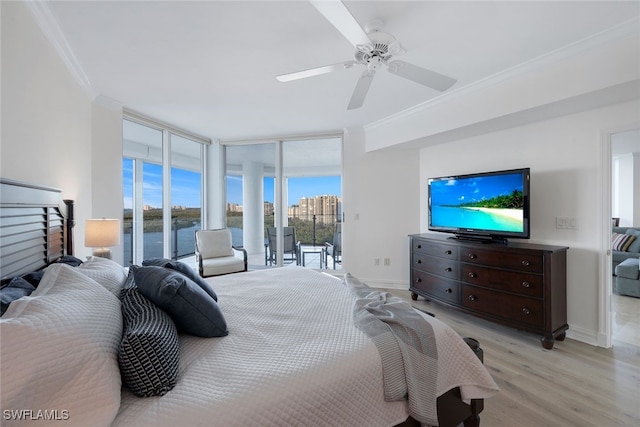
point(483, 203)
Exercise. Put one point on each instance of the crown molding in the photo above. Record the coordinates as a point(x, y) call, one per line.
point(48, 23)
point(624, 29)
point(108, 103)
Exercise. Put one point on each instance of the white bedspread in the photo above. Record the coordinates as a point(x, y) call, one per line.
point(292, 357)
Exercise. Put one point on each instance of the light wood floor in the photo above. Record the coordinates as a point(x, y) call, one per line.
point(574, 384)
point(625, 319)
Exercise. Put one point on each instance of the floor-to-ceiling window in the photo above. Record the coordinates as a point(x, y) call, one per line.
point(162, 178)
point(296, 183)
point(312, 172)
point(186, 195)
point(247, 167)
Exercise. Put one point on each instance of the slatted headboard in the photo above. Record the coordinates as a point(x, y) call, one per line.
point(36, 227)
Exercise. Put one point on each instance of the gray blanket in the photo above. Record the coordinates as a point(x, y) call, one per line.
point(407, 346)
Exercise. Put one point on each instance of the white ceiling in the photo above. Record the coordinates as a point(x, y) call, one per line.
point(209, 66)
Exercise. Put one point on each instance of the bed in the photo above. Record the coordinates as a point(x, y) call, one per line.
point(292, 353)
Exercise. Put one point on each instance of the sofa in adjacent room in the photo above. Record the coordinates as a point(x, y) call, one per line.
point(625, 244)
point(627, 280)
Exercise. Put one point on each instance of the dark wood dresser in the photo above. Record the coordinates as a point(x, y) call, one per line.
point(520, 285)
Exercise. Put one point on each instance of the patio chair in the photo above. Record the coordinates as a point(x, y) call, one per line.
point(215, 254)
point(291, 249)
point(334, 249)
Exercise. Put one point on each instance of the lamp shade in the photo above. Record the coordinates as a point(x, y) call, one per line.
point(102, 233)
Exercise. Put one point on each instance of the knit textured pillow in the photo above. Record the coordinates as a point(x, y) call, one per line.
point(149, 351)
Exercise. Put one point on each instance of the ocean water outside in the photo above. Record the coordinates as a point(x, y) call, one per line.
point(186, 243)
point(478, 218)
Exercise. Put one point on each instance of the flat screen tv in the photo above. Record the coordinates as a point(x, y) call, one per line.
point(488, 206)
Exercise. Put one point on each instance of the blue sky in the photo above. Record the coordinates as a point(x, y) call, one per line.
point(454, 192)
point(298, 188)
point(186, 187)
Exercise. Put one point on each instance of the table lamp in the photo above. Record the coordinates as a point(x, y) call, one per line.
point(100, 234)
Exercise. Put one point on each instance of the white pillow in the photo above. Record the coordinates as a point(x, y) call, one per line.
point(59, 352)
point(214, 243)
point(108, 273)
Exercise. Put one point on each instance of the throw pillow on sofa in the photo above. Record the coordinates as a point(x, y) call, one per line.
point(620, 242)
point(635, 243)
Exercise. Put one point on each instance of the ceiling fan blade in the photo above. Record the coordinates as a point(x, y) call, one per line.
point(421, 75)
point(315, 71)
point(360, 92)
point(337, 14)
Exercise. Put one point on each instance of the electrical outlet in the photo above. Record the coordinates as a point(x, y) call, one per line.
point(566, 222)
point(387, 262)
point(376, 261)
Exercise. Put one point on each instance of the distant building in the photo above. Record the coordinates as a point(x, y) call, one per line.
point(326, 208)
point(234, 207)
point(268, 208)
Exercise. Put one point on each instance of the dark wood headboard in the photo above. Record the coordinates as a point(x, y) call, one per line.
point(36, 227)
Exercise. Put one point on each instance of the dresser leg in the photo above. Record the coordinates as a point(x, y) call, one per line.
point(561, 337)
point(547, 342)
point(414, 296)
point(472, 421)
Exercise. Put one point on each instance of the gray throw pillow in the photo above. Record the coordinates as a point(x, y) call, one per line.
point(184, 269)
point(635, 245)
point(193, 310)
point(15, 289)
point(149, 351)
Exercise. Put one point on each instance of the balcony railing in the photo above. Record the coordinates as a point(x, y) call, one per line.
point(182, 238)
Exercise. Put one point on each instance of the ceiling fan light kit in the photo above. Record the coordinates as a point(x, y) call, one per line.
point(373, 47)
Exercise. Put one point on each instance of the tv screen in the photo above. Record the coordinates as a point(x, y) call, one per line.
point(486, 206)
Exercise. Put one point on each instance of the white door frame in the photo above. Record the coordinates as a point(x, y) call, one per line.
point(604, 337)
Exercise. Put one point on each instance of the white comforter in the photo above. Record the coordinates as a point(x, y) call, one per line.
point(292, 357)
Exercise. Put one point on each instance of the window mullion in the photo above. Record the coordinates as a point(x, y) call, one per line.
point(166, 194)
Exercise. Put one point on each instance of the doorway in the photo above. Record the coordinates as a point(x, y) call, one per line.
point(625, 205)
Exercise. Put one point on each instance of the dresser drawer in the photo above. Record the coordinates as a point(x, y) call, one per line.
point(528, 284)
point(528, 311)
point(441, 266)
point(436, 287)
point(530, 262)
point(441, 250)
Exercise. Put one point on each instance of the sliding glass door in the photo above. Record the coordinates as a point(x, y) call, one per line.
point(312, 171)
point(162, 178)
point(186, 195)
point(143, 190)
point(296, 183)
point(249, 199)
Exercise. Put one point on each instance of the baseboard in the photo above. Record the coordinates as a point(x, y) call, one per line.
point(388, 284)
point(582, 335)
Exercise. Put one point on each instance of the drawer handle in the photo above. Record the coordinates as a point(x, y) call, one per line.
point(472, 275)
point(526, 284)
point(419, 246)
point(473, 297)
point(526, 263)
point(419, 261)
point(448, 291)
point(526, 311)
point(473, 256)
point(418, 280)
point(448, 269)
point(448, 252)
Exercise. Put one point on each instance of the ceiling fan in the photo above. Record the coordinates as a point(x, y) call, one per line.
point(374, 48)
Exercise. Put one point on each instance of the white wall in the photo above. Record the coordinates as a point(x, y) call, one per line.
point(106, 167)
point(564, 157)
point(49, 124)
point(381, 200)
